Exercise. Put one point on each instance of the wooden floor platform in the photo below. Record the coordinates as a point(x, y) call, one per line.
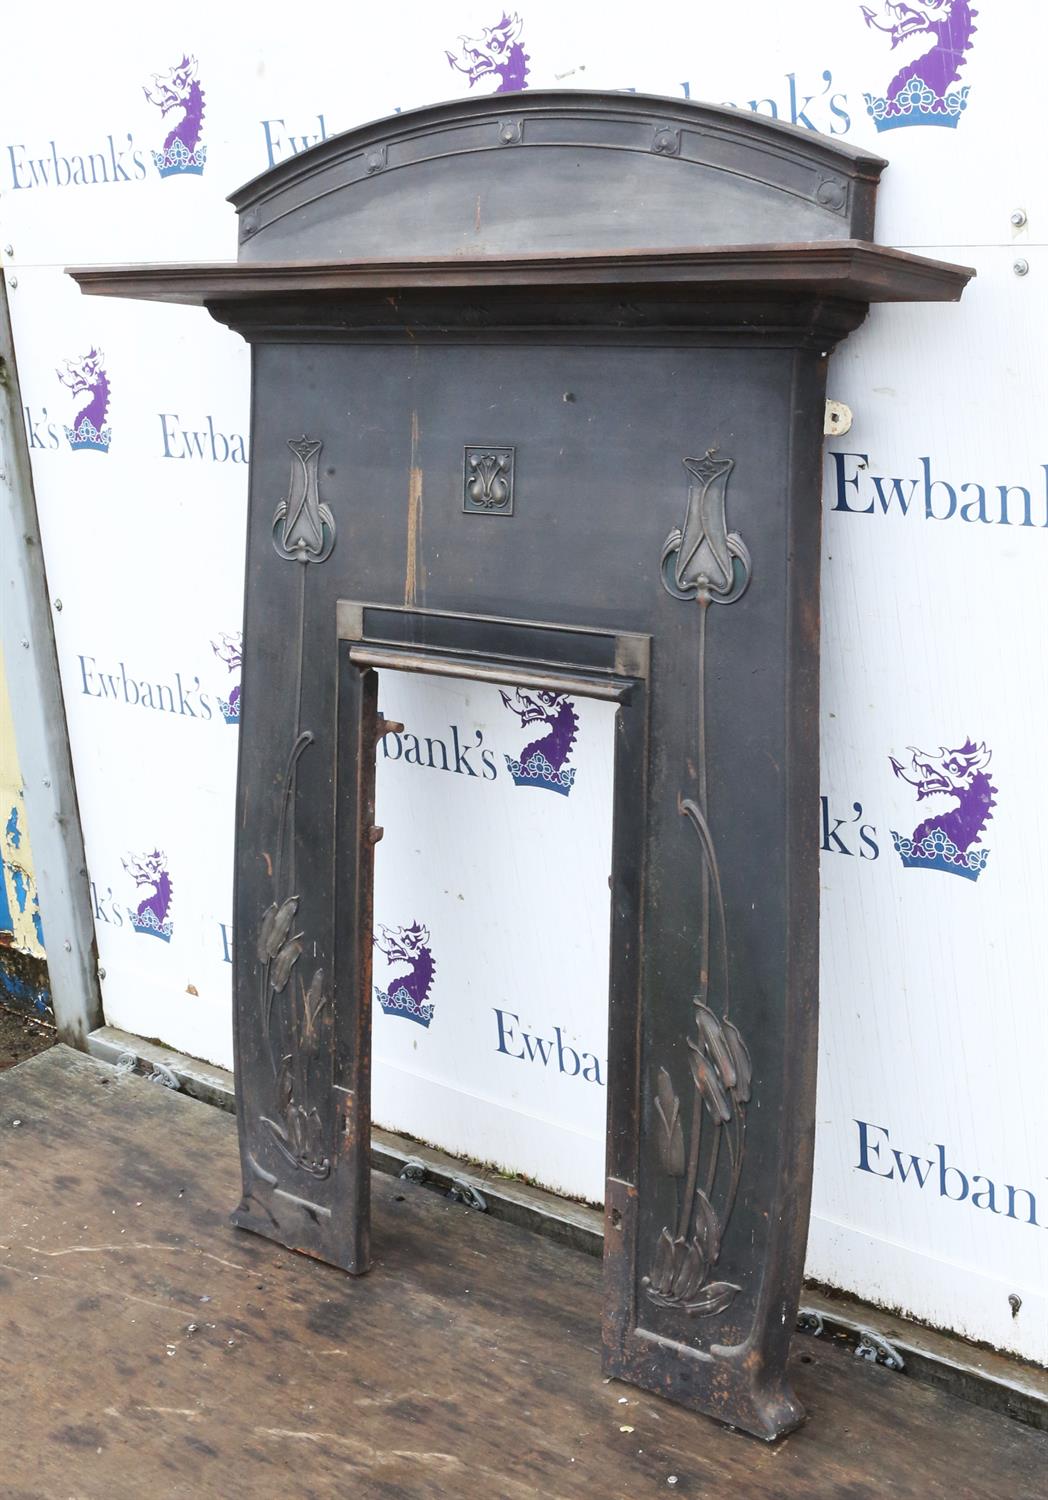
point(149, 1349)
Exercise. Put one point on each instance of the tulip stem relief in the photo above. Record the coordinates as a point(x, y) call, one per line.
point(297, 1044)
point(705, 562)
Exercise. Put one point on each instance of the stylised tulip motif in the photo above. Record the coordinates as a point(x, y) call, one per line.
point(704, 560)
point(489, 481)
point(306, 526)
point(487, 487)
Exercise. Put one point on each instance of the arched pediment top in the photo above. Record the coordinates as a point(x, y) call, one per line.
point(557, 170)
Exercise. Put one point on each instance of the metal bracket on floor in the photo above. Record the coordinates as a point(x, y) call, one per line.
point(462, 1191)
point(878, 1351)
point(810, 1321)
point(150, 1070)
point(164, 1075)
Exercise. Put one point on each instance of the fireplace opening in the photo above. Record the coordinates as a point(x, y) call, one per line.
point(490, 958)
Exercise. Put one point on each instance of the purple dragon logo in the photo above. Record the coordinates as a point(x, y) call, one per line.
point(86, 378)
point(230, 648)
point(179, 90)
point(408, 993)
point(945, 840)
point(495, 61)
point(149, 872)
point(929, 38)
point(542, 762)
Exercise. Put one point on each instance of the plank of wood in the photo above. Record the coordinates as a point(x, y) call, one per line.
point(150, 1348)
point(533, 1208)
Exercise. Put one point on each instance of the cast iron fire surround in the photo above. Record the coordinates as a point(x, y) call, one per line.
point(538, 392)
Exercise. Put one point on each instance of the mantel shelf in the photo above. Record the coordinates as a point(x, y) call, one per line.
point(851, 270)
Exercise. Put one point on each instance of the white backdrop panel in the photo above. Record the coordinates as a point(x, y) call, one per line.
point(930, 1190)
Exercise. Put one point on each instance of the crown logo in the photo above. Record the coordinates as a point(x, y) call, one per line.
point(145, 922)
point(150, 874)
point(932, 38)
point(948, 840)
point(917, 104)
point(937, 851)
point(400, 1002)
point(87, 435)
point(178, 158)
point(230, 649)
point(178, 96)
point(543, 761)
point(408, 994)
point(87, 381)
point(537, 771)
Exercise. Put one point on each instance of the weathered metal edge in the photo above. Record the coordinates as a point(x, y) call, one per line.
point(984, 1377)
point(839, 268)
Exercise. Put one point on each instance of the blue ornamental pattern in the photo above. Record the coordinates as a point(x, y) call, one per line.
point(178, 158)
point(936, 851)
point(146, 923)
point(537, 771)
point(87, 435)
point(916, 104)
point(400, 1003)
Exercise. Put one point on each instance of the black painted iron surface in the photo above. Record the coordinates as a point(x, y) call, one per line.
point(714, 974)
point(584, 484)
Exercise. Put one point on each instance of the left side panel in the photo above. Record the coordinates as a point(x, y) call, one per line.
point(304, 1117)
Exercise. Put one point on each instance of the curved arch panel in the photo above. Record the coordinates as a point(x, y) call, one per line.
point(548, 172)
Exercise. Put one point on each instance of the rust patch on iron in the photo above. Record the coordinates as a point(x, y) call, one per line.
point(414, 517)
